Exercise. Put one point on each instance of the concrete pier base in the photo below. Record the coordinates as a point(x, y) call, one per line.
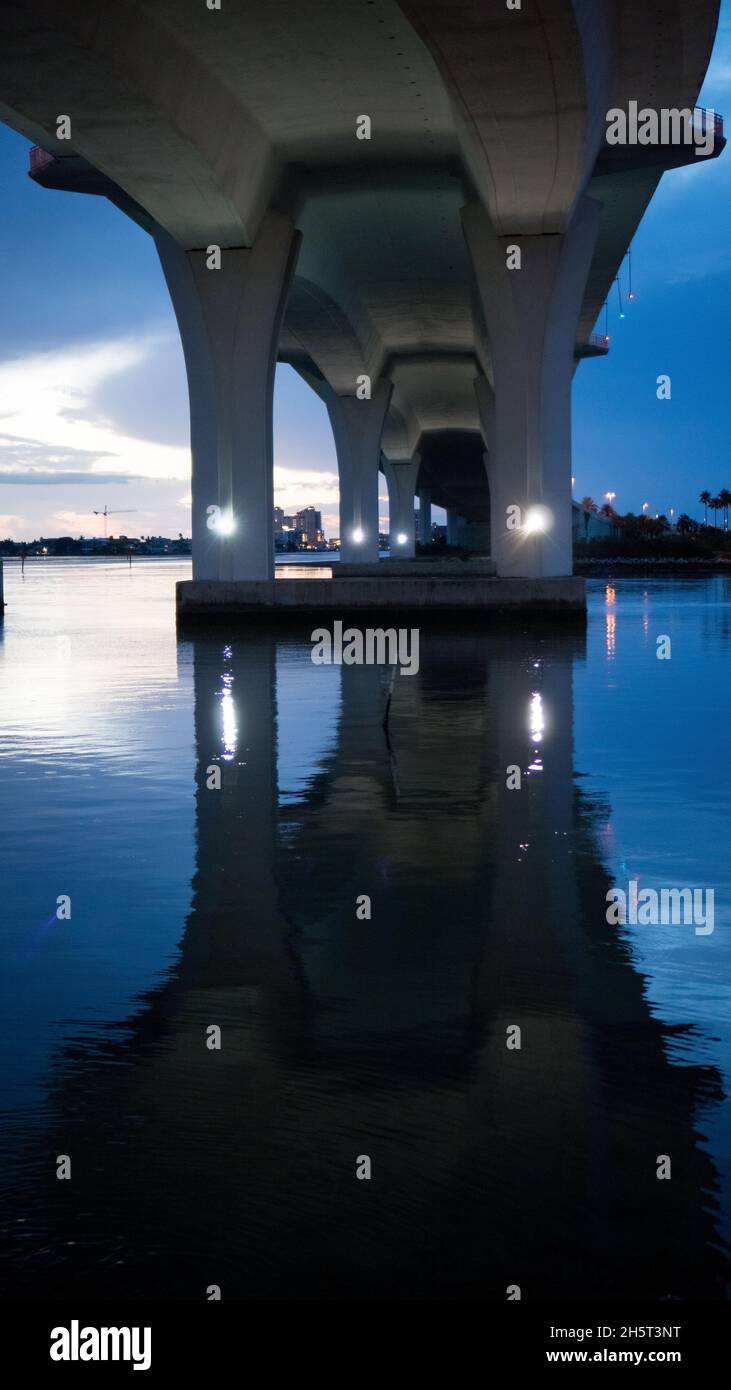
point(417, 568)
point(208, 600)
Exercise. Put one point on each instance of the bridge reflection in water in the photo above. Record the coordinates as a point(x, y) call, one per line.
point(388, 1037)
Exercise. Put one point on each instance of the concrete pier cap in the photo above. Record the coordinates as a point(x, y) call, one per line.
point(413, 204)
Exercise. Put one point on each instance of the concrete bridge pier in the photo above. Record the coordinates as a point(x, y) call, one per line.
point(533, 311)
point(455, 522)
point(485, 397)
point(229, 304)
point(425, 516)
point(401, 480)
point(357, 427)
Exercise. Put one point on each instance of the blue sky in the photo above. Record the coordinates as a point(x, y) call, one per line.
point(92, 374)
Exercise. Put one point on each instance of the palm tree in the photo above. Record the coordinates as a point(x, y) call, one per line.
point(705, 498)
point(589, 506)
point(715, 504)
point(725, 497)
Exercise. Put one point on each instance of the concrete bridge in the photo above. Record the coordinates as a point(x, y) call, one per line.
point(415, 205)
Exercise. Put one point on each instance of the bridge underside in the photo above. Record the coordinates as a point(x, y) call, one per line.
point(412, 203)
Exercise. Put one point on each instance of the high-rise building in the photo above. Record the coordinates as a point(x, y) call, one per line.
point(278, 518)
point(310, 522)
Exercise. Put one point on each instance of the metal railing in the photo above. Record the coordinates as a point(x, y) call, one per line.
point(704, 113)
point(40, 159)
point(599, 340)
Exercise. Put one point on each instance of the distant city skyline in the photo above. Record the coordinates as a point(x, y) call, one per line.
point(93, 394)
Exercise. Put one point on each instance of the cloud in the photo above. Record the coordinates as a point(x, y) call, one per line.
point(51, 417)
point(150, 404)
point(19, 442)
point(678, 180)
point(702, 267)
point(69, 416)
point(48, 475)
point(12, 527)
point(79, 522)
point(304, 487)
point(19, 456)
point(718, 77)
point(719, 74)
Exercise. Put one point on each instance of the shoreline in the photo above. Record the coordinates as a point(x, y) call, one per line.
point(644, 564)
point(632, 564)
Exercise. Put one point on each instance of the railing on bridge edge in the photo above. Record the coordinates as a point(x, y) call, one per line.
point(40, 159)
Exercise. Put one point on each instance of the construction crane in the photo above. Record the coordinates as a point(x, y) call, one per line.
point(125, 511)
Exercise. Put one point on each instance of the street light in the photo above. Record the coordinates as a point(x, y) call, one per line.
point(538, 519)
point(610, 496)
point(645, 505)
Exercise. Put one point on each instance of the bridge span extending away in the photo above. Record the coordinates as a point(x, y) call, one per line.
point(414, 204)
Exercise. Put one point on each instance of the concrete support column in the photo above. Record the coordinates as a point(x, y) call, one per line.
point(425, 516)
point(401, 479)
point(532, 313)
point(229, 320)
point(454, 527)
point(357, 426)
point(485, 397)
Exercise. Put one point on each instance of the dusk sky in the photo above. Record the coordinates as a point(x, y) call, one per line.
point(93, 397)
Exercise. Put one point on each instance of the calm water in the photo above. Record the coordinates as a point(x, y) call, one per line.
point(237, 907)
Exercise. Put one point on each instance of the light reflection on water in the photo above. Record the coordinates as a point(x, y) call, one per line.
point(342, 1036)
point(308, 571)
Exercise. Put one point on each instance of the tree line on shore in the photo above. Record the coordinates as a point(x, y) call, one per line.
point(641, 534)
point(659, 525)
